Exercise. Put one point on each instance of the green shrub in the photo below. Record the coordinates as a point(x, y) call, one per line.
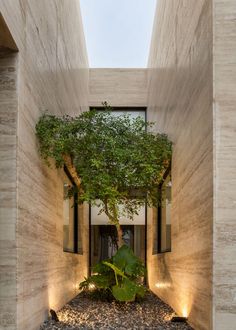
point(119, 276)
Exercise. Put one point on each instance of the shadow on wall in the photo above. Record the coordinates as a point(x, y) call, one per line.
point(6, 39)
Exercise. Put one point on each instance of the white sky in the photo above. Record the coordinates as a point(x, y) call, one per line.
point(118, 32)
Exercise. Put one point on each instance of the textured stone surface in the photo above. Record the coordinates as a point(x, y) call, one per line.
point(119, 87)
point(181, 101)
point(53, 75)
point(8, 197)
point(224, 56)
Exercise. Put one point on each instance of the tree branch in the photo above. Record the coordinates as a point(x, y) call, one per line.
point(69, 164)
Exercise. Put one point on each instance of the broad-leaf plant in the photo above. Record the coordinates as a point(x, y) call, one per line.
point(118, 276)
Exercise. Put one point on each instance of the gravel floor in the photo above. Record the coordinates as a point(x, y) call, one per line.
point(86, 313)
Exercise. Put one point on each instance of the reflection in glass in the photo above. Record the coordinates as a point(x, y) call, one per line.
point(104, 235)
point(132, 114)
point(69, 218)
point(165, 221)
point(154, 230)
point(104, 241)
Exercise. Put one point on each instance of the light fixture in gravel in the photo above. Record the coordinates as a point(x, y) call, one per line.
point(176, 318)
point(92, 287)
point(54, 315)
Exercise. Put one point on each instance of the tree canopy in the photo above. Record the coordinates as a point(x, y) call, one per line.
point(118, 159)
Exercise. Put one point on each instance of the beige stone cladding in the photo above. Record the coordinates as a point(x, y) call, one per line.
point(8, 184)
point(118, 87)
point(52, 75)
point(224, 260)
point(180, 100)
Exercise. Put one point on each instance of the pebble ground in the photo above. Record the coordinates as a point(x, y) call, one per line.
point(86, 313)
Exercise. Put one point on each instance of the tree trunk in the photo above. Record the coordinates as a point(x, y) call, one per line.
point(113, 217)
point(72, 170)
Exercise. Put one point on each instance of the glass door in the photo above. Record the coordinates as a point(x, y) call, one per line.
point(103, 236)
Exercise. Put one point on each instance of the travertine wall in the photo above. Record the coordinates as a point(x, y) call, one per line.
point(119, 87)
point(8, 197)
point(181, 101)
point(224, 14)
point(53, 75)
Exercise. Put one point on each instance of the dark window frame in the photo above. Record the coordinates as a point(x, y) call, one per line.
point(159, 216)
point(76, 249)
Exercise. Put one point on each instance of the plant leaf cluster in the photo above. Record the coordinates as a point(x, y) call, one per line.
point(119, 275)
point(118, 159)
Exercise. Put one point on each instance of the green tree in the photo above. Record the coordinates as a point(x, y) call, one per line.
point(114, 160)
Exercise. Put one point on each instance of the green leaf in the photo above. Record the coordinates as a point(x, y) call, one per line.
point(140, 291)
point(101, 268)
point(128, 262)
point(116, 269)
point(125, 292)
point(123, 285)
point(99, 281)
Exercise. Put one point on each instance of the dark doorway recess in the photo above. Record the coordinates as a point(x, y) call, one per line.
point(103, 239)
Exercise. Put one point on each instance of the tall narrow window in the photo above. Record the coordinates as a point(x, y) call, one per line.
point(154, 230)
point(72, 241)
point(164, 216)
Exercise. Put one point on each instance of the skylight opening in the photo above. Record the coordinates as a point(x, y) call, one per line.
point(118, 32)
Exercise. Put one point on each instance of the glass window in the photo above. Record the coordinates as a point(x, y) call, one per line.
point(79, 231)
point(72, 241)
point(132, 113)
point(155, 230)
point(164, 216)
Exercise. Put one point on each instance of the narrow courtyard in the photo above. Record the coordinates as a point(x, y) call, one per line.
point(118, 164)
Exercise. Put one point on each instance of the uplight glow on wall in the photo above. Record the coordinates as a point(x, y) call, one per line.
point(185, 303)
point(185, 311)
point(162, 285)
